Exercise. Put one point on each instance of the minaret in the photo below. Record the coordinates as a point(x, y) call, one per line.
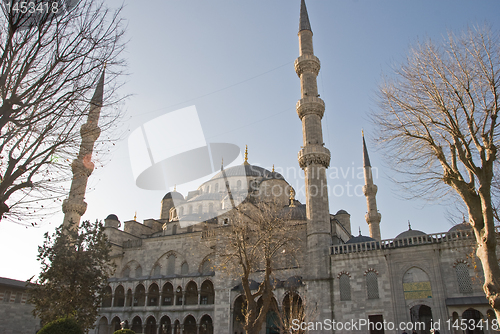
point(314, 158)
point(74, 206)
point(372, 217)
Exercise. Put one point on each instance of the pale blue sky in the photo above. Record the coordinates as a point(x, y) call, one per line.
point(233, 60)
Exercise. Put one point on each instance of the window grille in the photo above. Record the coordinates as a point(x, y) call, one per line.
point(372, 285)
point(463, 278)
point(345, 287)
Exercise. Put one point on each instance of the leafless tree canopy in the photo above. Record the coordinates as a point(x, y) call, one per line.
point(49, 67)
point(259, 240)
point(437, 125)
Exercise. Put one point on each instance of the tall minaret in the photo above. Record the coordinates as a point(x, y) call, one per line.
point(372, 217)
point(74, 206)
point(314, 158)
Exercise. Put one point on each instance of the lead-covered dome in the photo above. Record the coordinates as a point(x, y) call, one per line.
point(410, 233)
point(248, 170)
point(173, 195)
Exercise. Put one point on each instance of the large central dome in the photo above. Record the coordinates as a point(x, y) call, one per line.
point(248, 170)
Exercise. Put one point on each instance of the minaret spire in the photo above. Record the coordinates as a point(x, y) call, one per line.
point(74, 206)
point(372, 217)
point(304, 18)
point(314, 158)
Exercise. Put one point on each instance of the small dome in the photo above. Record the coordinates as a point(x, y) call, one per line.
point(173, 195)
point(461, 227)
point(410, 233)
point(360, 238)
point(254, 285)
point(342, 212)
point(112, 217)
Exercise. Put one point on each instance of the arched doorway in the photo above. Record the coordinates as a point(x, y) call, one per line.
point(102, 327)
point(165, 325)
point(189, 325)
point(137, 325)
point(177, 327)
point(151, 325)
point(206, 326)
point(293, 308)
point(272, 323)
point(473, 316)
point(422, 313)
point(239, 311)
point(115, 324)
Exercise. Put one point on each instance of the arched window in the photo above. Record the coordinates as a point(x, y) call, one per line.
point(6, 296)
point(207, 189)
point(157, 270)
point(139, 295)
point(216, 187)
point(345, 287)
point(173, 214)
point(184, 268)
point(168, 294)
point(210, 207)
point(206, 267)
point(107, 297)
point(463, 278)
point(191, 294)
point(238, 185)
point(126, 272)
point(174, 229)
point(207, 293)
point(372, 285)
point(190, 209)
point(138, 271)
point(153, 295)
point(200, 209)
point(171, 264)
point(119, 300)
point(181, 211)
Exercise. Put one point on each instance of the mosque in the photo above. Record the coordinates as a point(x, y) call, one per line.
point(166, 281)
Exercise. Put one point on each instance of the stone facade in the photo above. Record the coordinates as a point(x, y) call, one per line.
point(166, 283)
point(15, 313)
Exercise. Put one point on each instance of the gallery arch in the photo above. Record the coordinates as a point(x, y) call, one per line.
point(119, 300)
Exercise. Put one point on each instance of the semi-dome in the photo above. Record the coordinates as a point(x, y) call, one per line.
point(112, 217)
point(460, 227)
point(360, 238)
point(410, 233)
point(340, 212)
point(173, 195)
point(248, 170)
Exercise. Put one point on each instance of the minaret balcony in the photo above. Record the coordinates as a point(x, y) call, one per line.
point(307, 63)
point(314, 155)
point(310, 105)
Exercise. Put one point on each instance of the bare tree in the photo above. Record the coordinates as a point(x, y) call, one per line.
point(50, 60)
point(438, 127)
point(258, 240)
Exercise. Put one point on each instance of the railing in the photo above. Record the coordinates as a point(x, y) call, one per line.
point(208, 234)
point(132, 243)
point(403, 242)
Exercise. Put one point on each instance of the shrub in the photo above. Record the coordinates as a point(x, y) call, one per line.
point(124, 331)
point(61, 326)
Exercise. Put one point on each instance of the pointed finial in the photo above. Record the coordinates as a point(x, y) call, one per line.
point(304, 18)
point(362, 132)
point(409, 225)
point(273, 169)
point(360, 230)
point(175, 187)
point(463, 218)
point(135, 216)
point(246, 155)
point(292, 197)
point(366, 158)
point(222, 164)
